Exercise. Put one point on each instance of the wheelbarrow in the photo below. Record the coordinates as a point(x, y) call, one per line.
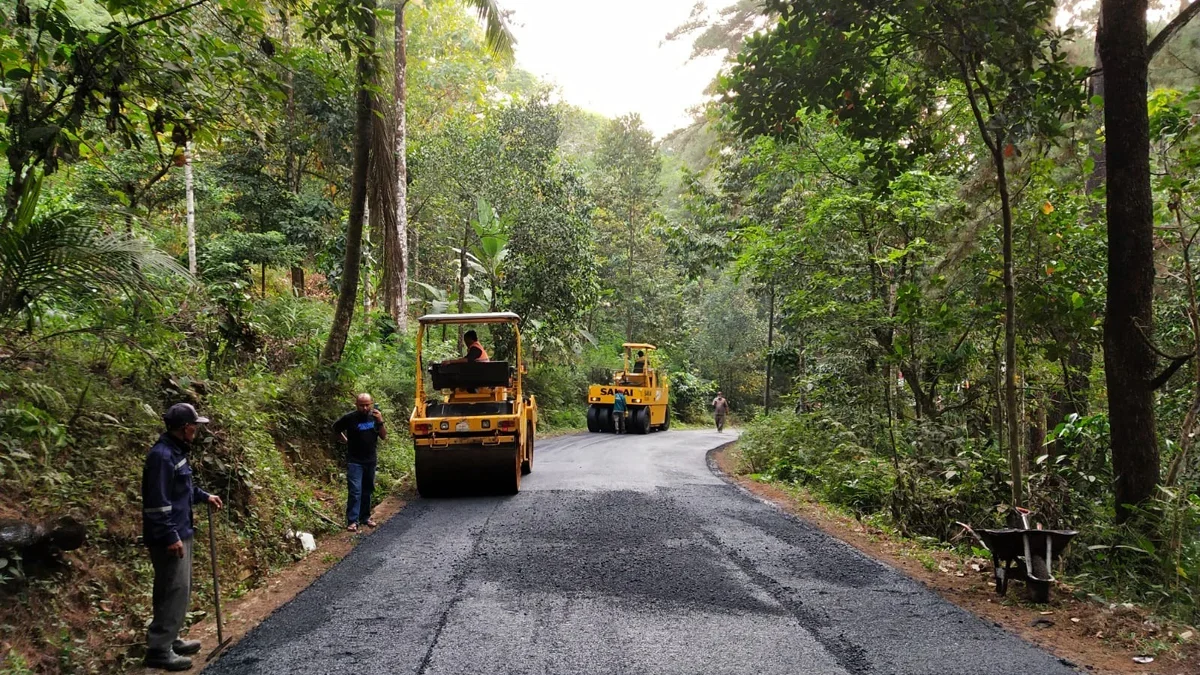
point(1027, 555)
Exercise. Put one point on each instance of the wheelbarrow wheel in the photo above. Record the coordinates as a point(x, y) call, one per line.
point(1039, 591)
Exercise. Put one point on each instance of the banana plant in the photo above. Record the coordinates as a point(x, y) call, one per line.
point(488, 256)
point(438, 299)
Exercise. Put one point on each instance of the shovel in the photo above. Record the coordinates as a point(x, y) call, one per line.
point(222, 641)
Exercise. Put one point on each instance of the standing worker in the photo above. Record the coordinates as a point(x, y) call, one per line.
point(720, 410)
point(168, 528)
point(360, 429)
point(619, 412)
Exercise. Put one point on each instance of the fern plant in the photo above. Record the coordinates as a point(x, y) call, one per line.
point(64, 256)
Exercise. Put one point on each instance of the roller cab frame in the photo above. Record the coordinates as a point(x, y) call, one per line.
point(478, 433)
point(647, 395)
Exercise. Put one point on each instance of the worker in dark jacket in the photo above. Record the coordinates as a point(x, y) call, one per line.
point(168, 527)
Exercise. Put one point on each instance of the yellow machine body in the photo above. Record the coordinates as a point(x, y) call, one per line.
point(647, 394)
point(478, 430)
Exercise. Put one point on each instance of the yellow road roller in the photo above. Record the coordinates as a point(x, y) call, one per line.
point(473, 430)
point(647, 398)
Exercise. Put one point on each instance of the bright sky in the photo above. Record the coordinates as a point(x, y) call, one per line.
point(606, 56)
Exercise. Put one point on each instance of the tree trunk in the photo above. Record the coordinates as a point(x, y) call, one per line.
point(1077, 368)
point(298, 281)
point(629, 278)
point(1128, 357)
point(344, 313)
point(1037, 436)
point(382, 191)
point(1187, 431)
point(290, 168)
point(770, 345)
point(1096, 88)
point(1010, 328)
point(416, 253)
point(462, 275)
point(190, 197)
point(396, 245)
point(371, 218)
point(12, 194)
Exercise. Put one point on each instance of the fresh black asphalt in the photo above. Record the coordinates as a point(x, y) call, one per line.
point(620, 555)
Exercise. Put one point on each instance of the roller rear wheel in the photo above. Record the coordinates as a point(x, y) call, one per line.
point(592, 423)
point(642, 420)
point(430, 484)
point(604, 419)
point(509, 481)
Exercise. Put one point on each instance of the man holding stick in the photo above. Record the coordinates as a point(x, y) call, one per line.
point(168, 527)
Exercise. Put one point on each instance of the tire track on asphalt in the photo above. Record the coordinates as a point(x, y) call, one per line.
point(848, 655)
point(460, 582)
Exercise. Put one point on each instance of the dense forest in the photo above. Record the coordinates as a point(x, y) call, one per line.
point(936, 253)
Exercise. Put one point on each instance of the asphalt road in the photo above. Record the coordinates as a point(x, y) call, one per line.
point(620, 555)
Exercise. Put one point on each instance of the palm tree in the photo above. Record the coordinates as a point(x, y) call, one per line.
point(365, 69)
point(500, 42)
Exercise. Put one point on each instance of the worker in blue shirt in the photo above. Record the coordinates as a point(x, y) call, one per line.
point(619, 412)
point(167, 528)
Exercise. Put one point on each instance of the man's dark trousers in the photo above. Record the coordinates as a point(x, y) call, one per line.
point(172, 590)
point(360, 487)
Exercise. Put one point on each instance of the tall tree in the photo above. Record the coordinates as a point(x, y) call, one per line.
point(190, 197)
point(500, 41)
point(1129, 358)
point(364, 17)
point(997, 56)
point(629, 167)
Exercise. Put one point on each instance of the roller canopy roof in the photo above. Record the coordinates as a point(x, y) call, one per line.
point(638, 345)
point(483, 317)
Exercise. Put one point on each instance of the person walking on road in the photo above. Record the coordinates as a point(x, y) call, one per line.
point(361, 429)
point(720, 410)
point(168, 528)
point(619, 412)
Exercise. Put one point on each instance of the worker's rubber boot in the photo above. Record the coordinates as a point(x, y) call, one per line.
point(186, 647)
point(167, 661)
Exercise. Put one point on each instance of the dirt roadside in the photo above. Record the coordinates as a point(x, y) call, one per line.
point(1094, 637)
point(243, 614)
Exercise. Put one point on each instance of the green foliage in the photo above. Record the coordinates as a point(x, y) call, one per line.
point(62, 257)
point(821, 454)
point(152, 65)
point(691, 395)
point(242, 248)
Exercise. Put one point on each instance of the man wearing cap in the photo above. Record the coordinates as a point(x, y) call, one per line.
point(167, 528)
